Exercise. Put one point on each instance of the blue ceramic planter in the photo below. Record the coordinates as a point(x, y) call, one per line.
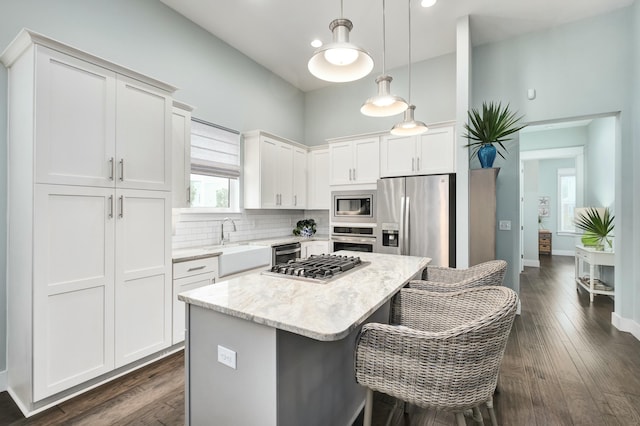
point(487, 155)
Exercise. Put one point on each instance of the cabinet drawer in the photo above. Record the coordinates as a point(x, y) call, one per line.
point(544, 248)
point(542, 240)
point(195, 267)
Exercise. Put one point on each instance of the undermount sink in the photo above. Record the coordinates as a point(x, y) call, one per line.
point(240, 258)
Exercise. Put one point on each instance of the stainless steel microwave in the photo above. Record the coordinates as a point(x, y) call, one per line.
point(353, 206)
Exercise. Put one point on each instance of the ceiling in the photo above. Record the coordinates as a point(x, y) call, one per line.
point(277, 33)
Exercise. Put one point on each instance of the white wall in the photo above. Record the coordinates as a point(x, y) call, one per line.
point(530, 213)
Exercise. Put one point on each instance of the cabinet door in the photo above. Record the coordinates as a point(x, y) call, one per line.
point(269, 151)
point(299, 178)
point(181, 285)
point(73, 279)
point(143, 274)
point(319, 195)
point(143, 136)
point(367, 160)
point(75, 125)
point(436, 151)
point(398, 156)
point(340, 163)
point(181, 142)
point(285, 175)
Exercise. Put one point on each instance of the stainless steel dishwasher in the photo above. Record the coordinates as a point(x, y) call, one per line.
point(285, 252)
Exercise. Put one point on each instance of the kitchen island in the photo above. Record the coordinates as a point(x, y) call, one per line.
point(291, 343)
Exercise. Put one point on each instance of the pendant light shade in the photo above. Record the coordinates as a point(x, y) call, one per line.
point(384, 104)
point(340, 61)
point(409, 125)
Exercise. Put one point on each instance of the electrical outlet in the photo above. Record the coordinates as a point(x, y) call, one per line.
point(227, 357)
point(505, 225)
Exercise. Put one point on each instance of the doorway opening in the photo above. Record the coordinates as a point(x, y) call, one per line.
point(563, 165)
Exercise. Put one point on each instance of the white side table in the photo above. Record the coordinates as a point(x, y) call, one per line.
point(593, 257)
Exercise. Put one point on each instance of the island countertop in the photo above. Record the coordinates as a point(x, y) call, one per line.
point(321, 311)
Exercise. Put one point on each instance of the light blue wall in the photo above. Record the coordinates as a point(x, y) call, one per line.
point(600, 159)
point(554, 138)
point(548, 186)
point(577, 69)
point(335, 111)
point(530, 210)
point(635, 90)
point(225, 86)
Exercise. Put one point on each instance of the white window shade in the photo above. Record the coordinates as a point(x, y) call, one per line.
point(215, 150)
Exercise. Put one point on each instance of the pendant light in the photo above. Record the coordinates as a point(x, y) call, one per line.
point(384, 104)
point(340, 61)
point(409, 126)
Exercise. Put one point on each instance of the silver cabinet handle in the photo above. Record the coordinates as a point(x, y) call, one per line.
point(354, 174)
point(418, 163)
point(122, 169)
point(111, 166)
point(197, 268)
point(295, 200)
point(121, 206)
point(188, 196)
point(413, 164)
point(350, 174)
point(110, 206)
point(213, 280)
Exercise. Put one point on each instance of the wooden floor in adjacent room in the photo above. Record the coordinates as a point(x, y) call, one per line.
point(565, 365)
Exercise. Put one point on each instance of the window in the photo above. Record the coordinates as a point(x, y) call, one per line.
point(566, 199)
point(215, 166)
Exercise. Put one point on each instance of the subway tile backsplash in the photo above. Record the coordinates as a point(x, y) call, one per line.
point(202, 229)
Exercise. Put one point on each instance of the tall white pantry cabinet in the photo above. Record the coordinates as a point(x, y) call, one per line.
point(89, 211)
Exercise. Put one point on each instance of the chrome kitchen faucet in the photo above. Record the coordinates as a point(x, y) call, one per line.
point(223, 222)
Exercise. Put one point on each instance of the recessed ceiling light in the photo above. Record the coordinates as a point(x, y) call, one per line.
point(316, 43)
point(428, 3)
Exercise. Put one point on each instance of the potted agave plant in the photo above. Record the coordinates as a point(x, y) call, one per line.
point(597, 228)
point(488, 129)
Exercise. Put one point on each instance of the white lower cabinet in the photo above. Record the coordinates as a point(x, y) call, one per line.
point(308, 248)
point(102, 282)
point(189, 275)
point(143, 274)
point(73, 291)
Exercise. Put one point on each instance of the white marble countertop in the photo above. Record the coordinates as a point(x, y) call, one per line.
point(193, 253)
point(321, 311)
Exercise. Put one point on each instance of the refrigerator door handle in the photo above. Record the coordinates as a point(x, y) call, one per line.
point(402, 226)
point(407, 229)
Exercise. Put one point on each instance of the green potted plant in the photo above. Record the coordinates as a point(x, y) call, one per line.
point(305, 228)
point(597, 228)
point(489, 128)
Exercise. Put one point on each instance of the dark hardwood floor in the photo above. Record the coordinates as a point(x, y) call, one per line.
point(565, 364)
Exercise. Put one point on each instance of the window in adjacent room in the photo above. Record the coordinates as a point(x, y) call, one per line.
point(566, 199)
point(215, 166)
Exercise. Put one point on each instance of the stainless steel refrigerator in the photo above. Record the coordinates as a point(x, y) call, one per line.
point(416, 216)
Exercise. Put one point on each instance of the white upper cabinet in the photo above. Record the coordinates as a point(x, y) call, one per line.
point(75, 130)
point(143, 136)
point(274, 172)
point(98, 128)
point(354, 161)
point(432, 152)
point(181, 141)
point(299, 178)
point(319, 194)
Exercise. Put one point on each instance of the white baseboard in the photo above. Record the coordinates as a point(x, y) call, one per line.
point(3, 381)
point(626, 324)
point(563, 252)
point(531, 262)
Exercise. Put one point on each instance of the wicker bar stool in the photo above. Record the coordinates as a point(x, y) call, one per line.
point(442, 351)
point(443, 279)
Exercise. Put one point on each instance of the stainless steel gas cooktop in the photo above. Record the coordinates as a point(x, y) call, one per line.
point(317, 268)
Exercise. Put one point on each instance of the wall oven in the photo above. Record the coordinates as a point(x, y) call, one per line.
point(344, 237)
point(353, 206)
